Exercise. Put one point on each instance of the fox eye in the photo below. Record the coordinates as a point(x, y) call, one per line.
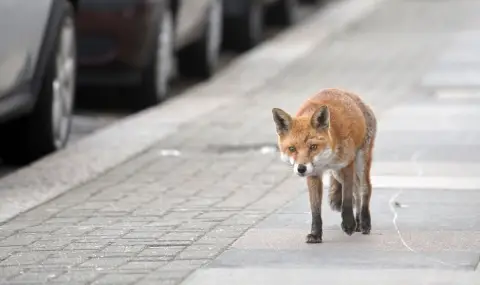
point(313, 147)
point(292, 149)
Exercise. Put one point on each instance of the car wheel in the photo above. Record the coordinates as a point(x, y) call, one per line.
point(201, 58)
point(47, 128)
point(246, 31)
point(283, 13)
point(155, 83)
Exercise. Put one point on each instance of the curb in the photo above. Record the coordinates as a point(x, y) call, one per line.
point(106, 148)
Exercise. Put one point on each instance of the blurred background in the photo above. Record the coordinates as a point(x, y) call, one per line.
point(70, 67)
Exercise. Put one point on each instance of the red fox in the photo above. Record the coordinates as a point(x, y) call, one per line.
point(334, 130)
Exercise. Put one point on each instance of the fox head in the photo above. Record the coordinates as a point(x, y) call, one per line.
point(305, 141)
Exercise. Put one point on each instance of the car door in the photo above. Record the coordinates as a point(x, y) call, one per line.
point(22, 25)
point(190, 20)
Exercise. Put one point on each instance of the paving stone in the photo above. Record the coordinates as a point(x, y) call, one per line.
point(179, 265)
point(104, 263)
point(86, 245)
point(124, 249)
point(165, 274)
point(142, 265)
point(18, 240)
point(7, 272)
point(118, 279)
point(144, 235)
point(25, 258)
point(155, 281)
point(161, 251)
point(67, 258)
point(77, 276)
point(181, 236)
point(74, 231)
point(50, 244)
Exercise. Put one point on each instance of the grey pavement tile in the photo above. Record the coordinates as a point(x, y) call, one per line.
point(121, 279)
point(140, 234)
point(77, 276)
point(124, 249)
point(19, 240)
point(379, 240)
point(65, 221)
point(182, 236)
point(7, 251)
point(419, 208)
point(422, 138)
point(327, 257)
point(311, 276)
point(161, 251)
point(35, 276)
point(25, 258)
point(196, 225)
point(167, 274)
point(155, 281)
point(182, 265)
point(87, 245)
point(145, 258)
point(113, 233)
point(143, 265)
point(10, 271)
point(104, 263)
point(55, 244)
point(75, 231)
point(69, 213)
point(67, 258)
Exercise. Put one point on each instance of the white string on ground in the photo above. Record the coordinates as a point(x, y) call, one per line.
point(392, 203)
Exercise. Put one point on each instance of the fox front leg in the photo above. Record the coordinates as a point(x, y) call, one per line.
point(315, 191)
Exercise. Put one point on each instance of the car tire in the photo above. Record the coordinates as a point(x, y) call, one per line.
point(47, 128)
point(246, 31)
point(200, 59)
point(154, 86)
point(282, 13)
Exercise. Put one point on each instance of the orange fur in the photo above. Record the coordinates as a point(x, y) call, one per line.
point(333, 130)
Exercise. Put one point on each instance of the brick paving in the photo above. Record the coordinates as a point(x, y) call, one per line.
point(163, 215)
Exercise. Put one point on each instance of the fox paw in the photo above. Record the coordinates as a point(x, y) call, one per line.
point(364, 224)
point(363, 227)
point(357, 228)
point(314, 238)
point(349, 225)
point(335, 205)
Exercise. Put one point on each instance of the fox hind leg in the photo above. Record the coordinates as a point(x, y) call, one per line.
point(363, 191)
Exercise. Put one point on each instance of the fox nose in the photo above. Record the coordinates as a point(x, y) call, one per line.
point(301, 168)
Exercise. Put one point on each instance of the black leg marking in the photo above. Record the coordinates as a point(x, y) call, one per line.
point(348, 220)
point(315, 236)
point(365, 221)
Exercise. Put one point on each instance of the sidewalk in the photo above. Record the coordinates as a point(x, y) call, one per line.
point(210, 204)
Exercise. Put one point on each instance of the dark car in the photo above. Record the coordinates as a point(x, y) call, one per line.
point(37, 77)
point(136, 44)
point(244, 20)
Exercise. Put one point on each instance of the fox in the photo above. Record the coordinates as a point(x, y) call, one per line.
point(333, 132)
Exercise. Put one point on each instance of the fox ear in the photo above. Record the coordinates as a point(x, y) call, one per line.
point(321, 118)
point(282, 120)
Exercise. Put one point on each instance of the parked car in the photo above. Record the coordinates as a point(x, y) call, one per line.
point(244, 20)
point(37, 77)
point(138, 44)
